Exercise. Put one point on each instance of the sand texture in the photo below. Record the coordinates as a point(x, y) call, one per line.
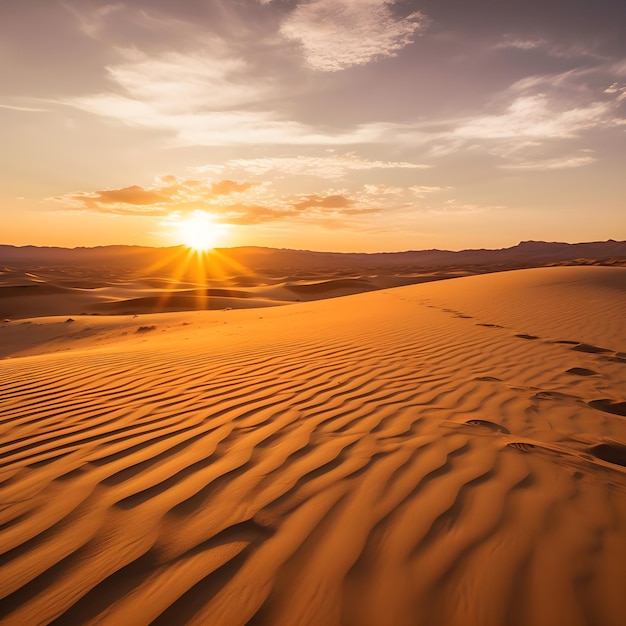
point(442, 454)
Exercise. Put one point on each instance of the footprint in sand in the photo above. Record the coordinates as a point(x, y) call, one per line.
point(581, 371)
point(612, 452)
point(615, 408)
point(554, 395)
point(145, 329)
point(617, 358)
point(489, 425)
point(585, 347)
point(522, 446)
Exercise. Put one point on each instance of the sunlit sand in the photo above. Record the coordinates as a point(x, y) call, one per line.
point(312, 313)
point(447, 453)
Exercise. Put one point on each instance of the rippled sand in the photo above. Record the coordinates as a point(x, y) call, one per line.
point(447, 453)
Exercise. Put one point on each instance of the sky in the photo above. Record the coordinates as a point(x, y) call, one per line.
point(343, 125)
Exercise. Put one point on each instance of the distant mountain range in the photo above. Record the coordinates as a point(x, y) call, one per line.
point(524, 254)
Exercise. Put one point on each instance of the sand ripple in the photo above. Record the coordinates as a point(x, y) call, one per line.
point(399, 457)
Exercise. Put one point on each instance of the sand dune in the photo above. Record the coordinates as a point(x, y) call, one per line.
point(127, 280)
point(449, 453)
point(25, 295)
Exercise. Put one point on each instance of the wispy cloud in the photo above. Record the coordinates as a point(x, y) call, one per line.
point(91, 23)
point(618, 89)
point(221, 127)
point(209, 79)
point(456, 207)
point(510, 41)
point(422, 191)
point(324, 166)
point(210, 90)
point(194, 95)
point(24, 109)
point(338, 34)
point(209, 94)
point(213, 89)
point(543, 121)
point(549, 48)
point(533, 117)
point(563, 163)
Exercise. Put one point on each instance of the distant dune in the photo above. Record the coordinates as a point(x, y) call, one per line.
point(37, 282)
point(448, 453)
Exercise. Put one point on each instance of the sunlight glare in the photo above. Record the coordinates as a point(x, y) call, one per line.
point(199, 231)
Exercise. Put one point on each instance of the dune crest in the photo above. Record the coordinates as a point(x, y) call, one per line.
point(450, 453)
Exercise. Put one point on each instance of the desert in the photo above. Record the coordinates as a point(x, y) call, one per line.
point(448, 452)
point(312, 313)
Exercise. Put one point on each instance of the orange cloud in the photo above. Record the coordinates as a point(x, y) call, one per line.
point(241, 203)
point(226, 187)
point(252, 214)
point(127, 195)
point(171, 192)
point(334, 201)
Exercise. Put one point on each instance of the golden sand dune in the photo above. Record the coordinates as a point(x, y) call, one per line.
point(26, 295)
point(448, 453)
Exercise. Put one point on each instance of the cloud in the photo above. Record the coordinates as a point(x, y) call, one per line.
point(509, 41)
point(421, 191)
point(209, 78)
point(541, 120)
point(454, 207)
point(128, 195)
point(221, 128)
point(91, 23)
point(617, 88)
point(25, 109)
point(177, 92)
point(169, 192)
point(226, 187)
point(248, 214)
point(128, 201)
point(241, 203)
point(210, 91)
point(551, 164)
point(325, 166)
point(533, 117)
point(337, 34)
point(382, 190)
point(527, 123)
point(332, 201)
point(552, 49)
point(216, 89)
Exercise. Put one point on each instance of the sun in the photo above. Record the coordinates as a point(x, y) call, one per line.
point(199, 231)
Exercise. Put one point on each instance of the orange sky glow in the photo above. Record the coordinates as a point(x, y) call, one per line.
point(346, 125)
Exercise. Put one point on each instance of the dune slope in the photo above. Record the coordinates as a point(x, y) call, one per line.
point(447, 453)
